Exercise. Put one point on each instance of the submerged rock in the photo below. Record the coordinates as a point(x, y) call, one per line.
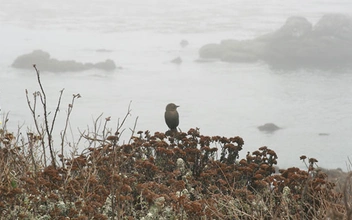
point(177, 60)
point(45, 63)
point(268, 127)
point(323, 134)
point(103, 50)
point(184, 43)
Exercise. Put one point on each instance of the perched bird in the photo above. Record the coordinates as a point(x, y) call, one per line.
point(171, 116)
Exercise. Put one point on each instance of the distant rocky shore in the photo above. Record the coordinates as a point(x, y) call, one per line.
point(45, 63)
point(297, 44)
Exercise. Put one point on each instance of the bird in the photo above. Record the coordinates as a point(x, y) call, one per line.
point(171, 116)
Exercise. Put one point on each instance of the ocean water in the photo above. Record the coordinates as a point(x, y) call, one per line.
point(225, 99)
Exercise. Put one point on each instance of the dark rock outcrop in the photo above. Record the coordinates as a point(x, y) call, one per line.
point(45, 63)
point(297, 44)
point(268, 128)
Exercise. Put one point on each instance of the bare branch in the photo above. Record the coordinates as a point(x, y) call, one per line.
point(69, 110)
point(133, 130)
point(124, 119)
point(56, 111)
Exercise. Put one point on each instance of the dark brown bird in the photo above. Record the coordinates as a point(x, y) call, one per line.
point(171, 116)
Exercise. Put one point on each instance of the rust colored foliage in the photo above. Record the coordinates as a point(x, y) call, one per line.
point(182, 172)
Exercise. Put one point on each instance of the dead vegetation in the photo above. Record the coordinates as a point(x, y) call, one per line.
point(158, 176)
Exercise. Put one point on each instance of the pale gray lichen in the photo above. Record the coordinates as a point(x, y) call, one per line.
point(181, 165)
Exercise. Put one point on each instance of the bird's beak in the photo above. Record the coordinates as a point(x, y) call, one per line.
point(177, 106)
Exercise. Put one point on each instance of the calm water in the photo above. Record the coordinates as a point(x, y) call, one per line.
point(219, 98)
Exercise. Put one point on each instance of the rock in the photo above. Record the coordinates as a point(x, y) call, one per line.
point(295, 27)
point(268, 127)
point(103, 51)
point(240, 51)
point(205, 60)
point(323, 134)
point(27, 60)
point(319, 47)
point(213, 51)
point(177, 60)
point(45, 63)
point(297, 44)
point(334, 25)
point(184, 43)
point(107, 65)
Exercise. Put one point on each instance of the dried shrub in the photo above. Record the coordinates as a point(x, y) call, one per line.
point(175, 176)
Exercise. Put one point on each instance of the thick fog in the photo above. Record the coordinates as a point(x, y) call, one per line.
point(232, 66)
